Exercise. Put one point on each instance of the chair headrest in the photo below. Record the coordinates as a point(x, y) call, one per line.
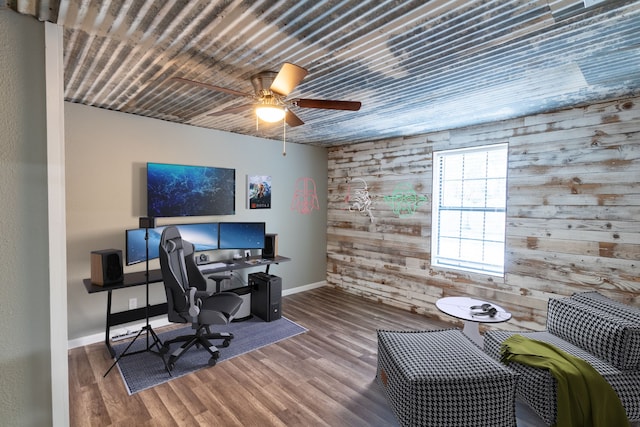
point(171, 239)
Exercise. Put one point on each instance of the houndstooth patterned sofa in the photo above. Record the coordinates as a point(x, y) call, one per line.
point(603, 332)
point(442, 379)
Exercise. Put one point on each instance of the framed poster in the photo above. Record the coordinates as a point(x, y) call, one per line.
point(259, 191)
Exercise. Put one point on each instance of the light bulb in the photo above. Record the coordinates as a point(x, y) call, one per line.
point(270, 113)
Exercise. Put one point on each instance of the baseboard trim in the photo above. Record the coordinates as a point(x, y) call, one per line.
point(99, 337)
point(162, 321)
point(304, 288)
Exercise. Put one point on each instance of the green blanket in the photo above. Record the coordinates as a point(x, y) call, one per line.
point(585, 398)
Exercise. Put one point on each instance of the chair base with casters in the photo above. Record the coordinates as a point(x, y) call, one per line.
point(199, 339)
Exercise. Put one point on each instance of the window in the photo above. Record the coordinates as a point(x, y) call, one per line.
point(469, 206)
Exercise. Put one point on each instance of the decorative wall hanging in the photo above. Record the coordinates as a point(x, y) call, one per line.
point(305, 198)
point(259, 191)
point(187, 190)
point(405, 200)
point(361, 199)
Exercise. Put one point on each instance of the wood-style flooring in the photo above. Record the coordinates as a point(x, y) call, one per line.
point(325, 377)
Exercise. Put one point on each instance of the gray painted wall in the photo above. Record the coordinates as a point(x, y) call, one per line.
point(106, 193)
point(25, 359)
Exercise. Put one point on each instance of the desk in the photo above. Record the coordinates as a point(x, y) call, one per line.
point(138, 278)
point(460, 307)
point(242, 263)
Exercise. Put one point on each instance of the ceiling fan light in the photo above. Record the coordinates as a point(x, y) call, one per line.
point(270, 113)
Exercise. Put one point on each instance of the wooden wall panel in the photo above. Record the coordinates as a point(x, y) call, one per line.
point(573, 214)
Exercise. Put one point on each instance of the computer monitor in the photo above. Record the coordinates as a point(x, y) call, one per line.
point(136, 249)
point(204, 237)
point(241, 235)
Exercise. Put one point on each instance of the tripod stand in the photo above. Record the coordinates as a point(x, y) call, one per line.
point(145, 223)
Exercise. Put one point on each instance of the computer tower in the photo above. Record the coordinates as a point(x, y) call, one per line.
point(266, 296)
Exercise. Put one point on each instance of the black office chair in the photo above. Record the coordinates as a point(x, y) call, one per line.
point(188, 300)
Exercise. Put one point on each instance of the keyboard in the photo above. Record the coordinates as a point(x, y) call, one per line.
point(210, 268)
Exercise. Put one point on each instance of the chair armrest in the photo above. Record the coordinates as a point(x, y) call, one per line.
point(194, 303)
point(218, 280)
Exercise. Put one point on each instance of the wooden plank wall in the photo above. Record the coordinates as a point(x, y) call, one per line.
point(573, 214)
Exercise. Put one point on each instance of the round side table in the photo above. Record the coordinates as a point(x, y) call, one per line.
point(460, 307)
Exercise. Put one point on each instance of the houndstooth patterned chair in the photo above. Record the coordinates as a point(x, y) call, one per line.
point(442, 379)
point(603, 332)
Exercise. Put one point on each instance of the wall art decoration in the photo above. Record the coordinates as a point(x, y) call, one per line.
point(305, 197)
point(404, 200)
point(259, 191)
point(186, 190)
point(361, 199)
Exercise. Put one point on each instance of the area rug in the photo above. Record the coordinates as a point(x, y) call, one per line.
point(146, 369)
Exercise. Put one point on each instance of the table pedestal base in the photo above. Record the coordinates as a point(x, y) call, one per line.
point(472, 331)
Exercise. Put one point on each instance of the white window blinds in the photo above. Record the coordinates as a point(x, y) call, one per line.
point(469, 205)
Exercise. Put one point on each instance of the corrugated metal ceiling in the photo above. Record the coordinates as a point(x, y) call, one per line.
point(416, 66)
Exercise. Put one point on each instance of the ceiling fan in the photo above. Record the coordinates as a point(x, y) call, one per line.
point(270, 98)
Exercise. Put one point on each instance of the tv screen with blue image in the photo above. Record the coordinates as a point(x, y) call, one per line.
point(204, 237)
point(181, 190)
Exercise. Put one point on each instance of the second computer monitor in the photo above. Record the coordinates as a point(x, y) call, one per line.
point(241, 235)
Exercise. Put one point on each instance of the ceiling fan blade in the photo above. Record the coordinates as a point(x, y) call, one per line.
point(289, 76)
point(209, 86)
point(292, 120)
point(232, 110)
point(328, 104)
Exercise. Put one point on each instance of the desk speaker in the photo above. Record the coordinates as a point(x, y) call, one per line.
point(106, 267)
point(270, 249)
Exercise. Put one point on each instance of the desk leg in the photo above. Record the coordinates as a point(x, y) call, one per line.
point(107, 342)
point(269, 265)
point(472, 331)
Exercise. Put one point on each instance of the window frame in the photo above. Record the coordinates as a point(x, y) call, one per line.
point(465, 210)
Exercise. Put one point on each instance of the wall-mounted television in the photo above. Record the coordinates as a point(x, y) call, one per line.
point(204, 237)
point(182, 190)
point(241, 235)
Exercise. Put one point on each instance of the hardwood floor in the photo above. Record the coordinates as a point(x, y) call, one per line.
point(325, 377)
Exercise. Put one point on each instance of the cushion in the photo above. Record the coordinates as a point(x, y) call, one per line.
point(607, 336)
point(599, 301)
point(441, 378)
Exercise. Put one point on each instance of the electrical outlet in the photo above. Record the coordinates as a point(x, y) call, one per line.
point(133, 303)
point(247, 253)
